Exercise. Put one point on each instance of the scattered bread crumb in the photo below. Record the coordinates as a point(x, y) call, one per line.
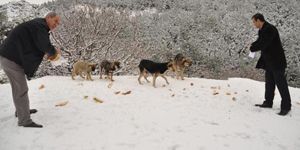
point(215, 93)
point(233, 98)
point(97, 100)
point(42, 87)
point(61, 104)
point(126, 93)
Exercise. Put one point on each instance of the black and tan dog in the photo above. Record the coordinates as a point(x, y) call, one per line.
point(156, 69)
point(180, 64)
point(82, 68)
point(109, 68)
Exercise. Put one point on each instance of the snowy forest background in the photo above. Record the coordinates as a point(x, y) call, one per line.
point(210, 32)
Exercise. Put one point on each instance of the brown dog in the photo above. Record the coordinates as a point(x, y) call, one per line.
point(109, 68)
point(180, 65)
point(83, 68)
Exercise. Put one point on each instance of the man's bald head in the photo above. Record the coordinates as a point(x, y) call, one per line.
point(53, 20)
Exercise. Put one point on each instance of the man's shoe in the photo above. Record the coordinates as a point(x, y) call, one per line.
point(32, 111)
point(283, 112)
point(33, 125)
point(264, 105)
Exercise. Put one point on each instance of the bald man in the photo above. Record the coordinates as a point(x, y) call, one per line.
point(21, 53)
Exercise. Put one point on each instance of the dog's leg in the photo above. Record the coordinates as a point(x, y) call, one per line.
point(139, 79)
point(73, 75)
point(106, 75)
point(89, 74)
point(101, 72)
point(87, 77)
point(154, 79)
point(181, 74)
point(145, 76)
point(111, 76)
point(177, 74)
point(81, 75)
point(164, 78)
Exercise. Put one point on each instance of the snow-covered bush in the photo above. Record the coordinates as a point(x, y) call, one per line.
point(210, 32)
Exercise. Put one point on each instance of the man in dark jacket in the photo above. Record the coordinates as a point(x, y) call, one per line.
point(273, 61)
point(21, 53)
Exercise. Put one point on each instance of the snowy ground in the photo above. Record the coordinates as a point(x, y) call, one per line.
point(179, 116)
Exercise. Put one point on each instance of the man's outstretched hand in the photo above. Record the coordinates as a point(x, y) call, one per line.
point(56, 56)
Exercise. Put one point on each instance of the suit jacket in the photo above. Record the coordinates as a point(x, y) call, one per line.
point(27, 44)
point(269, 43)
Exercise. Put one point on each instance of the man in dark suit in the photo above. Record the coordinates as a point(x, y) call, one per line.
point(273, 61)
point(21, 53)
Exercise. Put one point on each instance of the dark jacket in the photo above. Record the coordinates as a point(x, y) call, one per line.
point(272, 54)
point(27, 44)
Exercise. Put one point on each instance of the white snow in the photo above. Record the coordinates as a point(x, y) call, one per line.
point(148, 11)
point(18, 11)
point(30, 1)
point(150, 118)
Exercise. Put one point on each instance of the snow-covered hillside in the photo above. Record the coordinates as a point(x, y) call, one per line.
point(20, 11)
point(194, 114)
point(30, 1)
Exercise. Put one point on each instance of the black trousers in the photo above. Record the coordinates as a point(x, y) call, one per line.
point(278, 78)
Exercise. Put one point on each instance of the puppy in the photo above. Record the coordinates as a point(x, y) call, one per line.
point(83, 68)
point(155, 69)
point(109, 68)
point(180, 65)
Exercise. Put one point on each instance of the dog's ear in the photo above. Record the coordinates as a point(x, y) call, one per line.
point(188, 62)
point(93, 66)
point(179, 56)
point(171, 65)
point(117, 64)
